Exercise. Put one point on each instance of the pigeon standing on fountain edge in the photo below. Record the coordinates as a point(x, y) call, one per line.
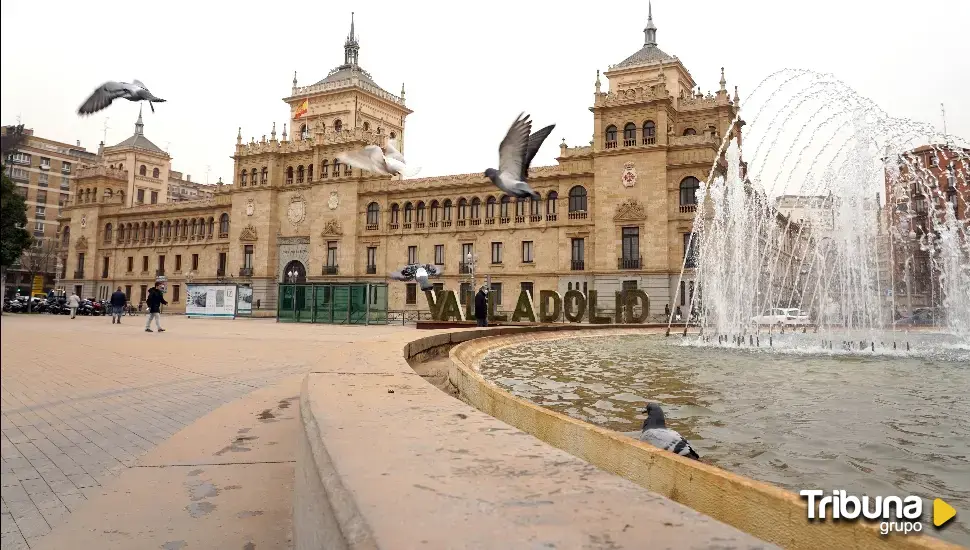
point(110, 91)
point(656, 433)
point(387, 162)
point(515, 153)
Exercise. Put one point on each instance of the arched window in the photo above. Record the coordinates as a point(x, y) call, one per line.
point(577, 199)
point(408, 212)
point(336, 168)
point(490, 207)
point(325, 168)
point(121, 197)
point(264, 176)
point(299, 174)
point(519, 206)
point(690, 132)
point(688, 191)
point(252, 177)
point(446, 211)
point(435, 210)
point(151, 231)
point(373, 213)
point(610, 136)
point(504, 207)
point(224, 224)
point(476, 208)
point(242, 178)
point(551, 201)
point(178, 226)
point(420, 212)
point(168, 229)
point(143, 170)
point(338, 125)
point(304, 133)
point(347, 169)
point(144, 230)
point(309, 173)
point(395, 214)
point(630, 134)
point(462, 209)
point(366, 126)
point(289, 174)
point(649, 133)
point(212, 225)
point(155, 173)
point(120, 234)
point(107, 233)
point(535, 206)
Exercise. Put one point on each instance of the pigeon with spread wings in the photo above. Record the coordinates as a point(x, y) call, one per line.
point(419, 273)
point(514, 156)
point(110, 91)
point(386, 162)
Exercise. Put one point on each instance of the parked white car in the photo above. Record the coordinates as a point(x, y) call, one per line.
point(781, 316)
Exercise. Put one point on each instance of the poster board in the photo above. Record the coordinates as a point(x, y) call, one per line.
point(208, 300)
point(244, 300)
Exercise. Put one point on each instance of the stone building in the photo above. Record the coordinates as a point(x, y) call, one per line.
point(182, 189)
point(614, 213)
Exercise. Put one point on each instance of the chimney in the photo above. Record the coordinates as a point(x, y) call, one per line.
point(78, 143)
point(188, 177)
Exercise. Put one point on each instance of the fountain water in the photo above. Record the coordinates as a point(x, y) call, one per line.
point(834, 155)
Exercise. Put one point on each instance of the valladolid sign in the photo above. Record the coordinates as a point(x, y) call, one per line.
point(574, 306)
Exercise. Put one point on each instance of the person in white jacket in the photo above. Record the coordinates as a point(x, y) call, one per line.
point(73, 302)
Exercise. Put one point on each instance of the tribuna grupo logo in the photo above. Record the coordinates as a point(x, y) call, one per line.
point(894, 514)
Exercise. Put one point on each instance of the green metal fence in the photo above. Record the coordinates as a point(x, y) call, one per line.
point(333, 303)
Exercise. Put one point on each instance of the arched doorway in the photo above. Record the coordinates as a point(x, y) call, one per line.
point(294, 272)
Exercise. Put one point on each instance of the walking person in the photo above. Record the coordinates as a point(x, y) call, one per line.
point(118, 301)
point(154, 303)
point(73, 302)
point(481, 307)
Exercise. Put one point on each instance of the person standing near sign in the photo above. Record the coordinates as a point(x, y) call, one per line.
point(154, 302)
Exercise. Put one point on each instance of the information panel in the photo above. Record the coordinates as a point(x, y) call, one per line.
point(211, 301)
point(244, 300)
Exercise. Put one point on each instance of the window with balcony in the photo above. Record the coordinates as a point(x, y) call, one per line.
point(439, 254)
point(629, 134)
point(649, 133)
point(19, 158)
point(630, 248)
point(577, 199)
point(527, 248)
point(16, 173)
point(611, 137)
point(224, 225)
point(395, 215)
point(578, 247)
point(373, 215)
point(248, 256)
point(503, 210)
point(496, 253)
point(412, 254)
point(688, 193)
point(38, 228)
point(45, 163)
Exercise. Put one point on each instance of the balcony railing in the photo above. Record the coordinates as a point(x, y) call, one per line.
point(476, 221)
point(464, 268)
point(629, 142)
point(611, 145)
point(629, 263)
point(578, 265)
point(433, 224)
point(371, 227)
point(372, 270)
point(504, 220)
point(489, 221)
point(551, 217)
point(650, 140)
point(407, 225)
point(578, 215)
point(330, 269)
point(520, 219)
point(79, 274)
point(688, 208)
point(535, 218)
point(245, 272)
point(392, 226)
point(461, 223)
point(160, 272)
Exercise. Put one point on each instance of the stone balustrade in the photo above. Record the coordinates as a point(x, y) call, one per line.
point(103, 171)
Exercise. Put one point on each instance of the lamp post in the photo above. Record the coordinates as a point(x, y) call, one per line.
point(291, 276)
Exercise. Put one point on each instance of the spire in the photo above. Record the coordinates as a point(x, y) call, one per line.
point(402, 90)
point(272, 134)
point(597, 84)
point(139, 124)
point(351, 47)
point(723, 81)
point(294, 79)
point(650, 32)
point(239, 136)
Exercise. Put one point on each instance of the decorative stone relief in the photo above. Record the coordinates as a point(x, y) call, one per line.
point(332, 228)
point(250, 207)
point(334, 201)
point(630, 210)
point(82, 243)
point(296, 212)
point(629, 177)
point(84, 220)
point(248, 234)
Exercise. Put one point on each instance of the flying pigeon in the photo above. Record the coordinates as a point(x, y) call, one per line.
point(514, 156)
point(656, 433)
point(387, 162)
point(110, 91)
point(419, 273)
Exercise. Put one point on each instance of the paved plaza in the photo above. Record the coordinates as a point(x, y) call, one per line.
point(83, 399)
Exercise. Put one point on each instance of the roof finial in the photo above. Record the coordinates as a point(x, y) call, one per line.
point(272, 134)
point(736, 98)
point(139, 124)
point(294, 79)
point(351, 25)
point(597, 83)
point(402, 90)
point(351, 47)
point(650, 32)
point(239, 136)
point(723, 81)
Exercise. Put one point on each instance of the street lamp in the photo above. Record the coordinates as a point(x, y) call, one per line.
point(291, 276)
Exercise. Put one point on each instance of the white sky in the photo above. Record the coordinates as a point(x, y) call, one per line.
point(469, 68)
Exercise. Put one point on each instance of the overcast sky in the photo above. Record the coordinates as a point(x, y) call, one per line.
point(468, 68)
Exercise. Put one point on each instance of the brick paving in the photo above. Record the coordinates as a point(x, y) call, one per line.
point(82, 399)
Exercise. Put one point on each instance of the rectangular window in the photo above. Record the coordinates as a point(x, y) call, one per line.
point(154, 197)
point(496, 253)
point(63, 200)
point(579, 250)
point(65, 182)
point(438, 287)
point(222, 264)
point(104, 268)
point(66, 167)
point(195, 262)
point(412, 254)
point(176, 293)
point(38, 228)
point(80, 262)
point(141, 195)
point(629, 285)
point(40, 212)
point(248, 256)
point(331, 253)
point(45, 163)
point(143, 293)
point(495, 293)
point(527, 252)
point(631, 243)
point(411, 294)
point(690, 250)
point(41, 197)
point(131, 264)
point(178, 262)
point(464, 292)
point(42, 180)
point(128, 292)
point(439, 254)
point(528, 287)
point(372, 256)
point(161, 263)
point(144, 263)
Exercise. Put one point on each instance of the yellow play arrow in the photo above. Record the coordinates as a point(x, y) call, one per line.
point(942, 512)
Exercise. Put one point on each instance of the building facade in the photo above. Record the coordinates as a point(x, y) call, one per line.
point(43, 171)
point(614, 213)
point(181, 189)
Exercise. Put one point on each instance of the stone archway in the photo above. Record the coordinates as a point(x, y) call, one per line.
point(298, 270)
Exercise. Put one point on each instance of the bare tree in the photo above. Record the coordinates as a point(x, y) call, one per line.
point(40, 259)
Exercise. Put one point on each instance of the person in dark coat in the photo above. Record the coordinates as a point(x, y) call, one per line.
point(118, 301)
point(154, 301)
point(481, 307)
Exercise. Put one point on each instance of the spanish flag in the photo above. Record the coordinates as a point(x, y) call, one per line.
point(302, 109)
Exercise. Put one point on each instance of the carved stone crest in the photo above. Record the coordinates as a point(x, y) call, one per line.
point(84, 220)
point(630, 210)
point(81, 243)
point(296, 212)
point(629, 177)
point(332, 228)
point(334, 200)
point(250, 207)
point(248, 234)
